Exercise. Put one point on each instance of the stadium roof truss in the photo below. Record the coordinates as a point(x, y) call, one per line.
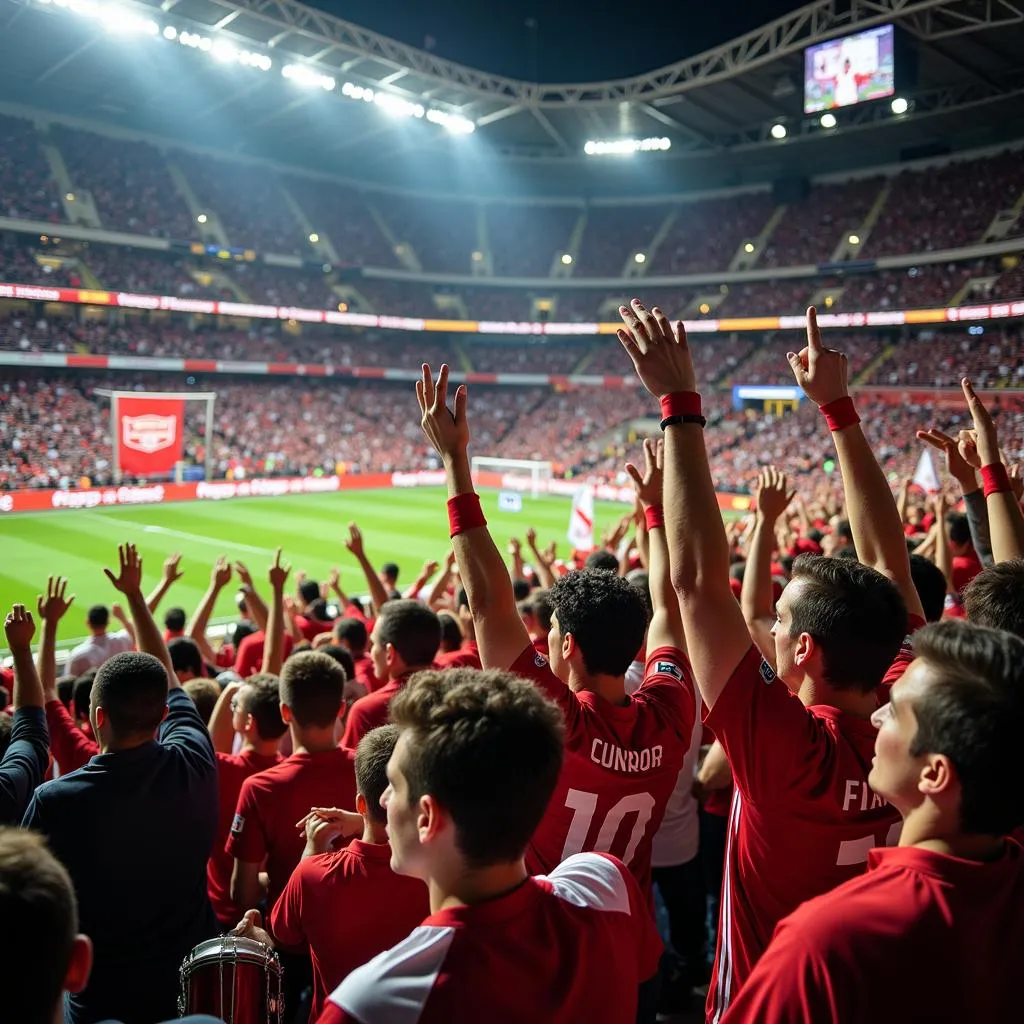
point(724, 98)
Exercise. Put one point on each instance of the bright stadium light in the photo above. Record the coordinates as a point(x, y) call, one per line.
point(397, 106)
point(566, 258)
point(828, 121)
point(306, 76)
point(314, 237)
point(778, 131)
point(455, 123)
point(201, 218)
point(625, 147)
point(899, 105)
point(640, 258)
point(854, 239)
point(748, 248)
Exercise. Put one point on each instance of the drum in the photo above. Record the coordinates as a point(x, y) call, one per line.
point(234, 978)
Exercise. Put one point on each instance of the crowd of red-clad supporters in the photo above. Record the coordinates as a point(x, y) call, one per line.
point(466, 795)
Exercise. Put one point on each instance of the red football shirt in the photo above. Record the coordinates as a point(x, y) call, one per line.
point(621, 764)
point(272, 801)
point(568, 948)
point(802, 820)
point(249, 659)
point(965, 568)
point(921, 936)
point(369, 712)
point(347, 906)
point(365, 675)
point(311, 628)
point(232, 771)
point(467, 656)
point(70, 746)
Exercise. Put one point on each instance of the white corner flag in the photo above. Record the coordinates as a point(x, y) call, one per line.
point(581, 520)
point(925, 476)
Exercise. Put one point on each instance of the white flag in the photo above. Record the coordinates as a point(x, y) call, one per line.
point(581, 520)
point(925, 476)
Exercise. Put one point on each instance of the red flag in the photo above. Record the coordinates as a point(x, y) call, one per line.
point(149, 434)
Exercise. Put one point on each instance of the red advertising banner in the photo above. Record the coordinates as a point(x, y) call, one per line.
point(149, 434)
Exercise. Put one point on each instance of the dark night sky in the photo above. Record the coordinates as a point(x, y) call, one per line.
point(575, 41)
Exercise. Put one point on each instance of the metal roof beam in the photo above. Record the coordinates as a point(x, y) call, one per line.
point(959, 17)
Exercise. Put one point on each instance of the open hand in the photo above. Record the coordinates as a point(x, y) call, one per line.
point(446, 430)
point(355, 540)
point(772, 493)
point(334, 578)
point(53, 605)
point(129, 578)
point(820, 371)
point(278, 572)
point(658, 349)
point(648, 486)
point(220, 577)
point(244, 576)
point(19, 628)
point(172, 571)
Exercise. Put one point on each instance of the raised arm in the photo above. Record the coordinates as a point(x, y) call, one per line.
point(716, 634)
point(515, 551)
point(129, 582)
point(126, 623)
point(500, 632)
point(943, 555)
point(440, 587)
point(19, 627)
point(543, 566)
point(170, 575)
point(428, 570)
point(220, 577)
point(51, 607)
point(256, 606)
point(222, 733)
point(773, 496)
point(273, 649)
point(378, 595)
point(874, 519)
point(666, 628)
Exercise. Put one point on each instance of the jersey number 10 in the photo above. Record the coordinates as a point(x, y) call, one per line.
point(584, 808)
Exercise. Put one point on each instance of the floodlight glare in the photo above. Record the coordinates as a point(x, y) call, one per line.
point(566, 258)
point(306, 76)
point(778, 131)
point(639, 258)
point(899, 105)
point(625, 147)
point(748, 248)
point(854, 239)
point(828, 121)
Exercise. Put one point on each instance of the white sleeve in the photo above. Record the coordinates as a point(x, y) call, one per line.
point(592, 880)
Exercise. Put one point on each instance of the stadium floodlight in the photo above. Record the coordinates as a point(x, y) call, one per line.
point(455, 123)
point(748, 248)
point(625, 147)
point(828, 121)
point(778, 131)
point(306, 76)
point(854, 239)
point(201, 218)
point(899, 105)
point(397, 106)
point(314, 237)
point(639, 258)
point(566, 258)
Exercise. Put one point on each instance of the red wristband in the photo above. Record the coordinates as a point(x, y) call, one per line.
point(840, 413)
point(995, 479)
point(655, 516)
point(464, 513)
point(680, 403)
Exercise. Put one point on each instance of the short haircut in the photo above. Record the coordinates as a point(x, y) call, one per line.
point(465, 728)
point(98, 616)
point(930, 584)
point(132, 690)
point(602, 559)
point(451, 632)
point(319, 612)
point(185, 656)
point(640, 580)
point(844, 530)
point(204, 694)
point(342, 657)
point(390, 570)
point(604, 614)
point(372, 756)
point(540, 603)
point(66, 690)
point(520, 589)
point(353, 632)
point(855, 615)
point(312, 684)
point(175, 619)
point(974, 714)
point(6, 725)
point(240, 631)
point(261, 698)
point(959, 528)
point(40, 915)
point(411, 628)
point(309, 591)
point(82, 694)
point(995, 597)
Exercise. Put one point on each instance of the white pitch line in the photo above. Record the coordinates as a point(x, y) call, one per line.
point(224, 545)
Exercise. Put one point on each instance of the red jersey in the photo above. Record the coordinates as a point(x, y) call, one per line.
point(803, 817)
point(70, 746)
point(621, 764)
point(467, 656)
point(311, 627)
point(568, 948)
point(232, 771)
point(965, 568)
point(365, 675)
point(369, 712)
point(921, 936)
point(347, 906)
point(272, 801)
point(249, 659)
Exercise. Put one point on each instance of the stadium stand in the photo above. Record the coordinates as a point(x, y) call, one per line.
point(27, 188)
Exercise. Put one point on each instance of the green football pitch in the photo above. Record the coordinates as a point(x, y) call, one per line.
point(403, 526)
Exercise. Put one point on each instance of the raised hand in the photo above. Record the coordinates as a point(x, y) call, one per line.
point(985, 436)
point(244, 576)
point(820, 371)
point(334, 578)
point(658, 349)
point(172, 571)
point(648, 485)
point(956, 464)
point(53, 605)
point(446, 430)
point(355, 540)
point(515, 547)
point(278, 572)
point(531, 536)
point(129, 578)
point(220, 577)
point(430, 567)
point(1017, 481)
point(19, 628)
point(251, 927)
point(772, 493)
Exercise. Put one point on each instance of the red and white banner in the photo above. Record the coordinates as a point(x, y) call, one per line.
point(150, 434)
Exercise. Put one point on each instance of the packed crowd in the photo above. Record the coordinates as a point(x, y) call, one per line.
point(514, 789)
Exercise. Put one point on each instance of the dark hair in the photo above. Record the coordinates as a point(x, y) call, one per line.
point(260, 697)
point(318, 610)
point(132, 690)
point(312, 684)
point(390, 570)
point(240, 631)
point(352, 632)
point(372, 756)
point(82, 694)
point(786, 561)
point(520, 589)
point(603, 560)
point(542, 608)
point(959, 528)
point(185, 656)
point(6, 725)
point(855, 615)
point(605, 615)
point(411, 628)
point(930, 584)
point(342, 657)
point(204, 694)
point(974, 714)
point(466, 727)
point(309, 591)
point(175, 619)
point(738, 570)
point(66, 690)
point(640, 580)
point(461, 598)
point(995, 597)
point(849, 553)
point(98, 616)
point(844, 530)
point(40, 915)
point(451, 632)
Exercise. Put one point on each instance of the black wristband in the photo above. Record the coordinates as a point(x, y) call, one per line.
point(671, 421)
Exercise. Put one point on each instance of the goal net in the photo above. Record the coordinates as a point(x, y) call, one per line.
point(514, 474)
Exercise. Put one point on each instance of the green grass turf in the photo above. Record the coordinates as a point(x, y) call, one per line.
point(403, 526)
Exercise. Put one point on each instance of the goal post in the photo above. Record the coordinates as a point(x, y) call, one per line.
point(531, 473)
